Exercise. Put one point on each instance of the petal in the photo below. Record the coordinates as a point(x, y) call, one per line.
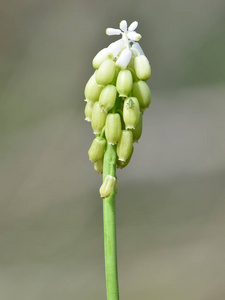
point(134, 36)
point(137, 49)
point(123, 25)
point(115, 48)
point(113, 31)
point(124, 58)
point(133, 26)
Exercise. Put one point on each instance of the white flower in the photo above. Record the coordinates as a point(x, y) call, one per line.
point(123, 46)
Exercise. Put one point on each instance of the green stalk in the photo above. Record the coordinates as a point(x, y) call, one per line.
point(109, 220)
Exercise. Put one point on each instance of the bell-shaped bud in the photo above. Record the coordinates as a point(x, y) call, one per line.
point(97, 149)
point(142, 92)
point(92, 89)
point(131, 112)
point(98, 166)
point(138, 130)
point(107, 97)
point(142, 67)
point(125, 145)
point(88, 111)
point(113, 128)
point(100, 57)
point(124, 83)
point(122, 164)
point(105, 74)
point(107, 186)
point(98, 118)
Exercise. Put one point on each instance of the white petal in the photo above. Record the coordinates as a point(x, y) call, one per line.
point(137, 49)
point(113, 31)
point(123, 25)
point(134, 36)
point(133, 26)
point(115, 48)
point(124, 58)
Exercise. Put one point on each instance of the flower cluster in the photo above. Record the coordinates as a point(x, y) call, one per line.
point(117, 95)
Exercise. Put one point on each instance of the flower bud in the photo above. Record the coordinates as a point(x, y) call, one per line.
point(122, 164)
point(142, 92)
point(113, 128)
point(125, 145)
point(124, 83)
point(107, 186)
point(100, 57)
point(98, 118)
point(97, 149)
point(98, 166)
point(88, 110)
point(142, 67)
point(138, 130)
point(131, 112)
point(105, 74)
point(107, 97)
point(92, 89)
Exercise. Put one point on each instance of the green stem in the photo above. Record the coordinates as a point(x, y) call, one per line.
point(109, 219)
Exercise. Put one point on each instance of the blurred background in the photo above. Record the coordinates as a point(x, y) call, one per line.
point(170, 204)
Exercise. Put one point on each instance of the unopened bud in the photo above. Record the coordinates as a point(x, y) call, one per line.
point(124, 83)
point(122, 164)
point(98, 166)
point(142, 67)
point(107, 186)
point(125, 145)
point(92, 89)
point(97, 149)
point(113, 128)
point(88, 110)
point(105, 74)
point(142, 92)
point(131, 112)
point(100, 57)
point(138, 130)
point(98, 118)
point(107, 97)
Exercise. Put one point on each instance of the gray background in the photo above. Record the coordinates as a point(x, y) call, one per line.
point(170, 203)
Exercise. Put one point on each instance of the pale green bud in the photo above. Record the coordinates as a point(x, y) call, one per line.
point(137, 132)
point(142, 92)
point(107, 186)
point(131, 112)
point(142, 67)
point(88, 110)
point(113, 128)
point(98, 166)
point(98, 118)
point(105, 74)
point(97, 149)
point(122, 164)
point(100, 57)
point(92, 89)
point(125, 145)
point(124, 83)
point(107, 97)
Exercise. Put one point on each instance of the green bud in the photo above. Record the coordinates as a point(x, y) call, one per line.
point(97, 149)
point(105, 74)
point(88, 111)
point(138, 130)
point(107, 97)
point(107, 186)
point(142, 67)
point(125, 145)
point(122, 164)
point(92, 89)
point(98, 118)
point(142, 92)
point(98, 166)
point(100, 57)
point(124, 83)
point(113, 128)
point(131, 112)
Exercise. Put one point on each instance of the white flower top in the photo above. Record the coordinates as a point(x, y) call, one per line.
point(123, 49)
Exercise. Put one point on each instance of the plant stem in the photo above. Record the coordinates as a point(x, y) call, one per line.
point(109, 220)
